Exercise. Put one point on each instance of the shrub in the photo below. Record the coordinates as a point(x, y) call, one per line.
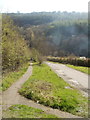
point(72, 61)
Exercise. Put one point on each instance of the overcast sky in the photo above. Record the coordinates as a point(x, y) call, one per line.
point(27, 6)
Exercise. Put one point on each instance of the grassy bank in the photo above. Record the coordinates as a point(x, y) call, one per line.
point(45, 87)
point(11, 77)
point(23, 111)
point(80, 68)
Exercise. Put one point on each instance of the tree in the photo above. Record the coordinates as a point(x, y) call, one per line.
point(14, 49)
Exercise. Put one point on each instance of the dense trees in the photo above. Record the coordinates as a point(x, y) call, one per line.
point(55, 33)
point(14, 49)
point(39, 18)
point(59, 39)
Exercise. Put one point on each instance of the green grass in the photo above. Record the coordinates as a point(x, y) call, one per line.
point(23, 111)
point(80, 68)
point(45, 87)
point(11, 77)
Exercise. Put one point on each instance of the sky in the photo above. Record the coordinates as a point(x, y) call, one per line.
point(27, 6)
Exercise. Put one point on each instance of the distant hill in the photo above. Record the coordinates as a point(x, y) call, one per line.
point(38, 18)
point(55, 33)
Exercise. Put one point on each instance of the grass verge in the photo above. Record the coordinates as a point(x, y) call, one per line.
point(11, 77)
point(23, 111)
point(45, 87)
point(80, 68)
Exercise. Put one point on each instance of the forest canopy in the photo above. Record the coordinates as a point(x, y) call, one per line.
point(54, 33)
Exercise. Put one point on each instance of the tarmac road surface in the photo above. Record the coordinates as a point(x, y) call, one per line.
point(72, 76)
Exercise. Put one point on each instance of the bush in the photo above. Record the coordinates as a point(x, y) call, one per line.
point(72, 61)
point(36, 56)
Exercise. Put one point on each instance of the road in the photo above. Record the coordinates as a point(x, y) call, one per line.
point(75, 78)
point(12, 97)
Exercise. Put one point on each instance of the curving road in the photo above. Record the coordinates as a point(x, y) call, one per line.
point(75, 78)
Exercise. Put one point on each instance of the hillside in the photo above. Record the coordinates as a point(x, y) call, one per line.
point(55, 33)
point(14, 47)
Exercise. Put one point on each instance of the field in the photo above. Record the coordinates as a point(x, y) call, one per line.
point(11, 77)
point(23, 111)
point(45, 87)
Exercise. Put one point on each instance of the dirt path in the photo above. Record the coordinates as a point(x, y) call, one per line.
point(75, 78)
point(11, 97)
